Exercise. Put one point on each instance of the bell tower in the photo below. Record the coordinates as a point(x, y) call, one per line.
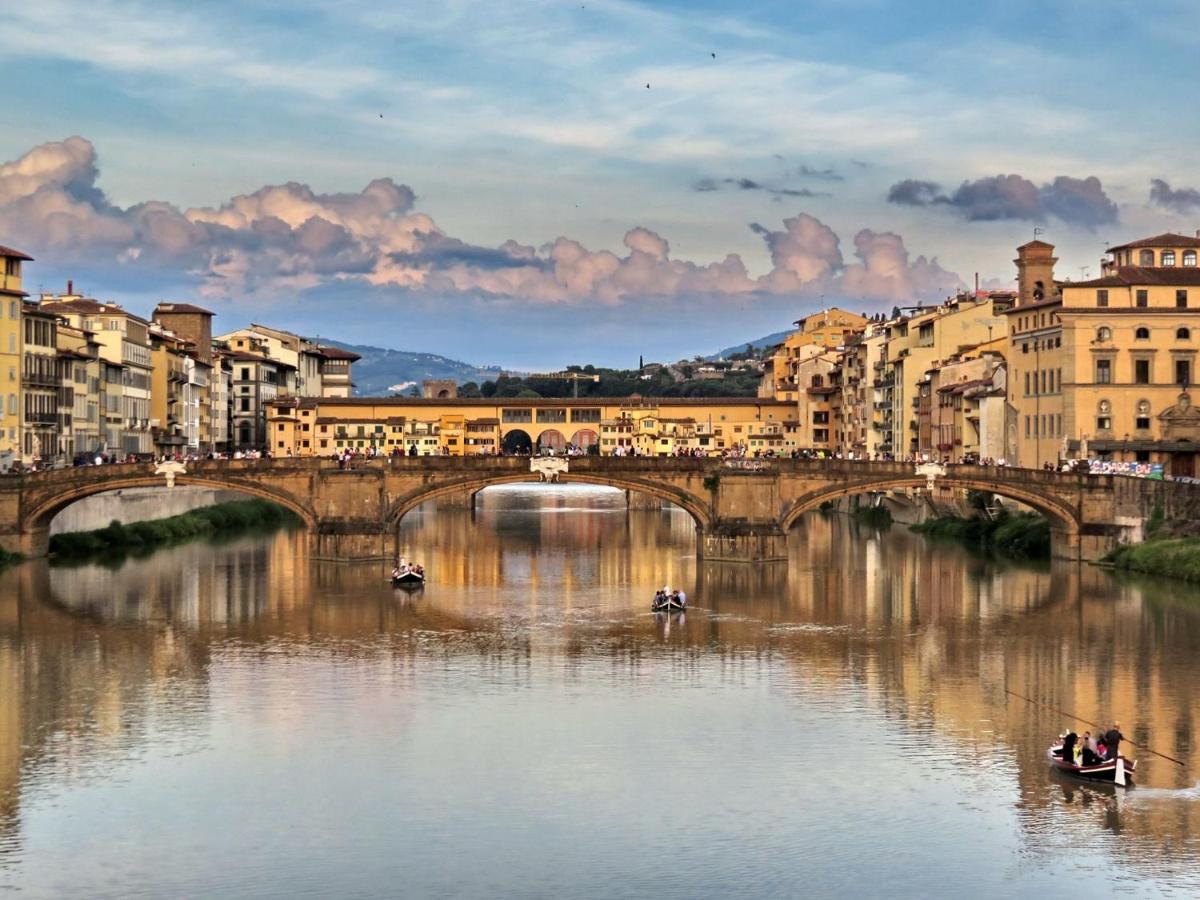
point(1035, 272)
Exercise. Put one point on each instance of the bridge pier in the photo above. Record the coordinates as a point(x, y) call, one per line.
point(350, 540)
point(748, 542)
point(31, 543)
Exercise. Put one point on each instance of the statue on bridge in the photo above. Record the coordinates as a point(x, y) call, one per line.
point(548, 468)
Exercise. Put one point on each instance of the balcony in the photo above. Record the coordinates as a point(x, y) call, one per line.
point(42, 380)
point(41, 418)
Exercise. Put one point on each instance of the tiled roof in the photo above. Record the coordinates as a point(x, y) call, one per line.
point(1170, 239)
point(168, 308)
point(9, 251)
point(338, 353)
point(1127, 276)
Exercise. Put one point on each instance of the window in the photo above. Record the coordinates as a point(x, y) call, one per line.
point(1181, 299)
point(1143, 298)
point(1142, 420)
point(1183, 372)
point(1142, 334)
point(245, 373)
point(1189, 258)
point(1026, 384)
point(1146, 258)
point(1168, 257)
point(1141, 371)
point(1027, 426)
point(1104, 416)
point(245, 404)
point(1182, 334)
point(1104, 371)
point(1103, 333)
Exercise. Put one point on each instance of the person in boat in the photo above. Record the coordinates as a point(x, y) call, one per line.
point(681, 596)
point(1068, 747)
point(1090, 754)
point(659, 598)
point(1112, 741)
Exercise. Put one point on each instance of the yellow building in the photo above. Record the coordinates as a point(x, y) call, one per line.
point(826, 330)
point(324, 426)
point(1128, 360)
point(11, 299)
point(80, 399)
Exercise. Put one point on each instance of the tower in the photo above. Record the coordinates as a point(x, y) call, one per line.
point(1035, 272)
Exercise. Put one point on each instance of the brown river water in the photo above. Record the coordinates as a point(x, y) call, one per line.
point(235, 719)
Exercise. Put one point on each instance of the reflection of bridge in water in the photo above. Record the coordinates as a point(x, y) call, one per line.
point(742, 509)
point(929, 637)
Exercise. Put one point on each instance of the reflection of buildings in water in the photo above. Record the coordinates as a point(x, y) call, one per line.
point(926, 633)
point(946, 633)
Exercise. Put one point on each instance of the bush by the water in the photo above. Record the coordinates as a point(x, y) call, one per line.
point(209, 521)
point(8, 558)
point(1021, 536)
point(1173, 557)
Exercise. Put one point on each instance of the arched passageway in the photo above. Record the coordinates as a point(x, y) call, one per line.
point(550, 439)
point(585, 438)
point(516, 441)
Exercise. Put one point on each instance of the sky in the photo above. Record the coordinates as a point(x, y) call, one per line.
point(533, 184)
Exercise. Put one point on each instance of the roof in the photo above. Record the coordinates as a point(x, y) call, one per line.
point(1169, 239)
point(1041, 245)
point(170, 308)
point(9, 251)
point(83, 306)
point(243, 356)
point(960, 386)
point(1127, 276)
point(556, 402)
point(338, 353)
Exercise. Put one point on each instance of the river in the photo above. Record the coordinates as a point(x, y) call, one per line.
point(238, 720)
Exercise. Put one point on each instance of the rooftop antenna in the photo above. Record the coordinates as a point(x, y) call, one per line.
point(1083, 272)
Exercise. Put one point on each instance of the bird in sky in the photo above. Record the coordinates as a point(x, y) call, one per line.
point(647, 85)
point(714, 56)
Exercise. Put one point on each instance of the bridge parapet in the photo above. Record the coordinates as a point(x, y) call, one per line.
point(742, 508)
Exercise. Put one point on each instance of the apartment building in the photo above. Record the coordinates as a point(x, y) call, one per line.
point(124, 343)
point(827, 330)
point(12, 298)
point(40, 384)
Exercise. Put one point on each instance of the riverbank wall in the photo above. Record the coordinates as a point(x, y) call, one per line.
point(137, 505)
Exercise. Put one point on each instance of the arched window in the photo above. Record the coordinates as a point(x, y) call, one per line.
point(1104, 333)
point(1142, 334)
point(1146, 258)
point(1189, 258)
point(1104, 416)
point(1168, 257)
point(1183, 334)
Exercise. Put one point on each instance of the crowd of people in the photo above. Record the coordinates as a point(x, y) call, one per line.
point(664, 596)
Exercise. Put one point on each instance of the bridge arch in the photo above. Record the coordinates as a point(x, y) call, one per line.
point(1064, 517)
point(38, 517)
point(700, 512)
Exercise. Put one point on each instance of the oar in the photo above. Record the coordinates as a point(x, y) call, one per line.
point(1177, 762)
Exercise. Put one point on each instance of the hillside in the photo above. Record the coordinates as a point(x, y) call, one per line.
point(769, 340)
point(381, 371)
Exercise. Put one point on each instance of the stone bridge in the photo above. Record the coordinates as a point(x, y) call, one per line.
point(742, 508)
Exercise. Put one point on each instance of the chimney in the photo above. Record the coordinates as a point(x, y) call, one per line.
point(70, 287)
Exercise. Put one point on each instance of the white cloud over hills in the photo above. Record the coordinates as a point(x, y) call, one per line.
point(287, 238)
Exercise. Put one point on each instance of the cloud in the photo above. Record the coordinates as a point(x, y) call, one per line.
point(1181, 200)
point(287, 239)
point(708, 185)
point(819, 174)
point(1075, 201)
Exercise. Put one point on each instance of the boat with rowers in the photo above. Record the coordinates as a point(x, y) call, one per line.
point(667, 600)
point(408, 575)
point(1118, 770)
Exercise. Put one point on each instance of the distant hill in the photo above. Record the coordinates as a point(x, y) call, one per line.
point(381, 371)
point(758, 343)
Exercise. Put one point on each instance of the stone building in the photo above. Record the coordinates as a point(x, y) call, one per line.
point(11, 300)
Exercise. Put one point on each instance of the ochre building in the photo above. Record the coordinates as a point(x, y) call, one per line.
point(462, 426)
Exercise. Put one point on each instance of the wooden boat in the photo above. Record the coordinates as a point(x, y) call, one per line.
point(409, 579)
point(668, 604)
point(1117, 771)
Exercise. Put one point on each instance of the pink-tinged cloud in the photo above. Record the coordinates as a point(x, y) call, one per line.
point(284, 238)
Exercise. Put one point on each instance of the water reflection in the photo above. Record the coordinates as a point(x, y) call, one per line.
point(857, 692)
